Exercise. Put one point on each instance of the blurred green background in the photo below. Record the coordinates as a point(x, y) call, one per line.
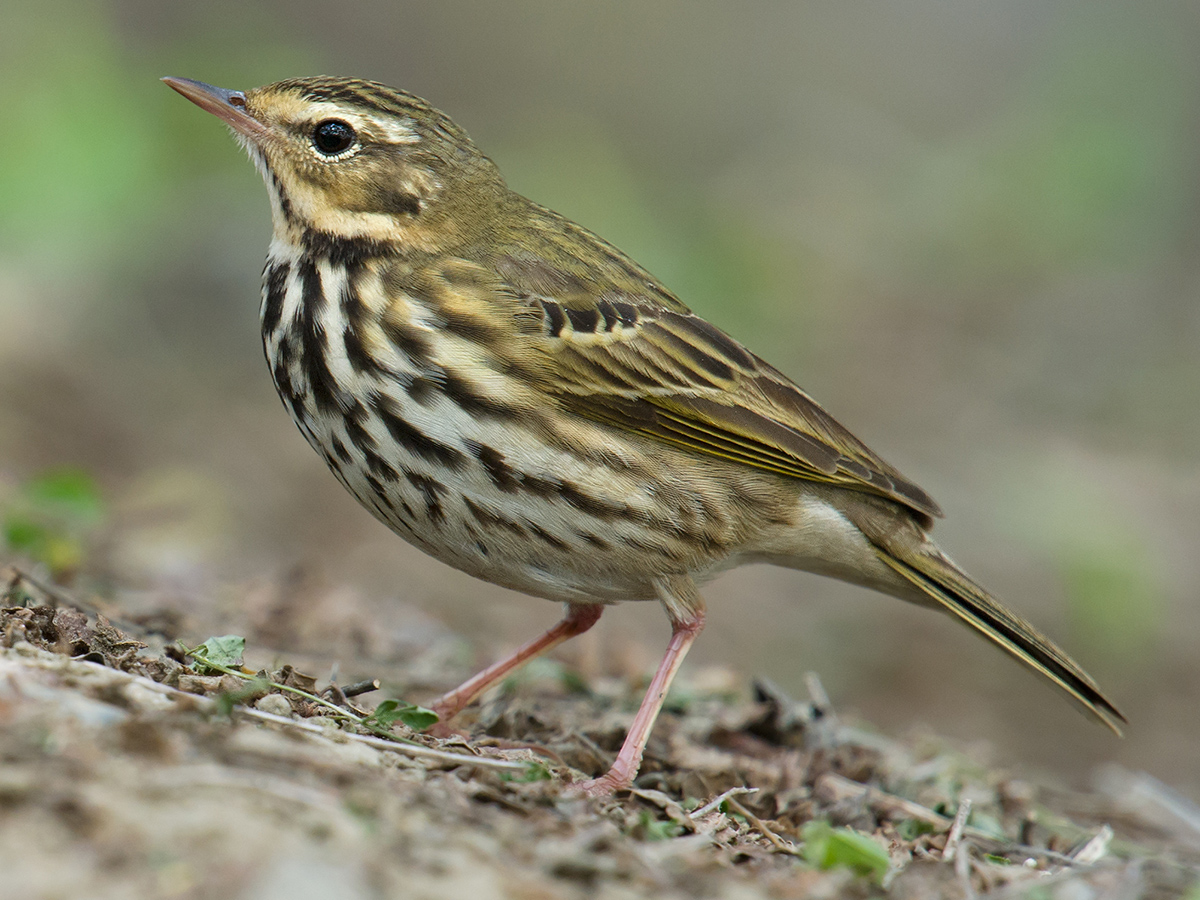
point(969, 229)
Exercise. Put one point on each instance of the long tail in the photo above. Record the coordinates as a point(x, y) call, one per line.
point(942, 581)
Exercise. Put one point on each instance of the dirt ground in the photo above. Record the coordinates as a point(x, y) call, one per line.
point(126, 772)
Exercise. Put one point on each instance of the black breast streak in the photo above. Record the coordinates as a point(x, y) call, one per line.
point(595, 540)
point(432, 293)
point(399, 515)
point(285, 350)
point(546, 537)
point(503, 476)
point(472, 401)
point(326, 394)
point(292, 398)
point(595, 506)
point(376, 487)
point(397, 506)
point(509, 480)
point(490, 519)
point(538, 486)
point(341, 477)
point(409, 340)
point(647, 547)
point(379, 466)
point(356, 431)
point(340, 449)
point(342, 251)
point(374, 501)
point(412, 438)
point(359, 357)
point(432, 491)
point(273, 293)
point(354, 312)
point(423, 390)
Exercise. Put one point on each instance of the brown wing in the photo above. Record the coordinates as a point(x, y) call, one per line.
point(624, 352)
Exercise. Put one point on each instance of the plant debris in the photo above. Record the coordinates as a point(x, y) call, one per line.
point(180, 772)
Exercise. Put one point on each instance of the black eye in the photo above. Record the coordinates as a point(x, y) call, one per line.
point(333, 136)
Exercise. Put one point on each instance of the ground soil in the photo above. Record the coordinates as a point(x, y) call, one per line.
point(125, 772)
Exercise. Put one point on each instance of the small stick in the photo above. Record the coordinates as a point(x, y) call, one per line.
point(835, 788)
point(339, 697)
point(417, 750)
point(776, 841)
point(821, 703)
point(207, 704)
point(1095, 849)
point(668, 805)
point(717, 801)
point(336, 694)
point(962, 868)
point(956, 830)
point(361, 687)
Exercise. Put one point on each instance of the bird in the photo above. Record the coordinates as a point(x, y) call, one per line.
point(519, 399)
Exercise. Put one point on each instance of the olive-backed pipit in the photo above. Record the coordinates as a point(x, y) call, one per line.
point(524, 402)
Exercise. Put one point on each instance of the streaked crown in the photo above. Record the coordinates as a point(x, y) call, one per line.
point(356, 159)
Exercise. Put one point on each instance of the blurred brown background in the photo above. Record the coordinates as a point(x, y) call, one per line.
point(969, 229)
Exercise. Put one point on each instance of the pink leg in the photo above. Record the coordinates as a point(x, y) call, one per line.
point(686, 625)
point(579, 618)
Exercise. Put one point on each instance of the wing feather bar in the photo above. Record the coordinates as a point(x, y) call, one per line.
point(755, 430)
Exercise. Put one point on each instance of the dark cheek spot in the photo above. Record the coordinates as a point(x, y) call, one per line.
point(377, 195)
point(398, 203)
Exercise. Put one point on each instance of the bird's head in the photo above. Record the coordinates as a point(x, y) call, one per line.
point(356, 160)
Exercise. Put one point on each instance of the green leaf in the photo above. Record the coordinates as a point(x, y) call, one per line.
point(23, 534)
point(50, 517)
point(653, 829)
point(418, 718)
point(61, 553)
point(989, 825)
point(911, 829)
point(829, 848)
point(72, 492)
point(534, 771)
point(573, 682)
point(225, 651)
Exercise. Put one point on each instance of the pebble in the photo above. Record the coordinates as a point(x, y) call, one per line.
point(277, 704)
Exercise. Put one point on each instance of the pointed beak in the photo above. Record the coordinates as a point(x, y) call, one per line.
point(228, 105)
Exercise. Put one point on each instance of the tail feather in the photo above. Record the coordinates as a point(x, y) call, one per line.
point(939, 579)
